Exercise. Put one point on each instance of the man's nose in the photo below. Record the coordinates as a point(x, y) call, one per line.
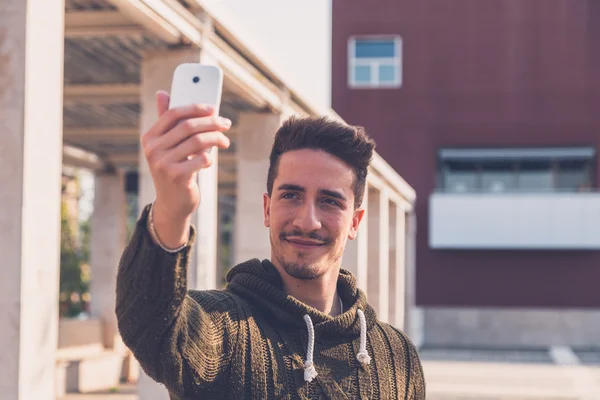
point(307, 219)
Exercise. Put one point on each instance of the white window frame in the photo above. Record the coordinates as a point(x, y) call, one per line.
point(375, 63)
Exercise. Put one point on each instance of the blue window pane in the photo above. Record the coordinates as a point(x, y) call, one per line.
point(387, 73)
point(362, 74)
point(375, 49)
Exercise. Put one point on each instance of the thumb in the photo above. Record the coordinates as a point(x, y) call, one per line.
point(162, 102)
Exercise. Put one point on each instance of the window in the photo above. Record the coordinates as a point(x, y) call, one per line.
point(460, 177)
point(515, 170)
point(536, 175)
point(497, 176)
point(375, 62)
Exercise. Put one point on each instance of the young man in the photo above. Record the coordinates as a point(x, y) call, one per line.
point(293, 327)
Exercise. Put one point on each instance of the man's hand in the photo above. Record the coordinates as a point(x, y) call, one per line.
point(176, 148)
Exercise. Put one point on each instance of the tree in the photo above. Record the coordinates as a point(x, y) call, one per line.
point(74, 268)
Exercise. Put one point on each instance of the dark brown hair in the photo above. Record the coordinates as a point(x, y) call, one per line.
point(350, 144)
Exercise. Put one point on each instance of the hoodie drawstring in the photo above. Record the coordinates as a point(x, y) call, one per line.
point(363, 356)
point(309, 369)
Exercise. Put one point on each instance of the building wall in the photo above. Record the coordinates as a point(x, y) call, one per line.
point(480, 73)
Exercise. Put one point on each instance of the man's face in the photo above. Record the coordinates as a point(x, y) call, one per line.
point(310, 213)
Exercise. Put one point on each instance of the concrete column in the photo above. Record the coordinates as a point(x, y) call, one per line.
point(392, 293)
point(108, 235)
point(203, 274)
point(373, 229)
point(31, 95)
point(399, 300)
point(157, 74)
point(414, 318)
point(225, 236)
point(355, 257)
point(379, 248)
point(384, 255)
point(255, 139)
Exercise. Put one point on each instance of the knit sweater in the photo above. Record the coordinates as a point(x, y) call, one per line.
point(251, 340)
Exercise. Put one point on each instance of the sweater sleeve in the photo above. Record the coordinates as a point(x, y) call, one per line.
point(417, 380)
point(182, 339)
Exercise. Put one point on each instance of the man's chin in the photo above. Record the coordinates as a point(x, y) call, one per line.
point(302, 270)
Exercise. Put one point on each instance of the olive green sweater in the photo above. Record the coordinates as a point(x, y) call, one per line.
point(250, 340)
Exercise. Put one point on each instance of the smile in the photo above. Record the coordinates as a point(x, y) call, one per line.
point(303, 243)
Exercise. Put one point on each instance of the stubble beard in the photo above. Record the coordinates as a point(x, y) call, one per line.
point(300, 270)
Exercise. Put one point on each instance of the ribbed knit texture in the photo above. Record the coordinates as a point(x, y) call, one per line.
point(249, 341)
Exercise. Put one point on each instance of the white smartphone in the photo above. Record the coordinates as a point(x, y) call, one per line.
point(197, 84)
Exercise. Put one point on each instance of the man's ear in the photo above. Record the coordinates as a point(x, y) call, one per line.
point(356, 218)
point(267, 209)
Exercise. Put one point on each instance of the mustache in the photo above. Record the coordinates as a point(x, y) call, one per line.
point(300, 234)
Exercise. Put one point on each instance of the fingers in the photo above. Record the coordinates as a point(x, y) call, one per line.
point(162, 102)
point(171, 118)
point(181, 171)
point(190, 128)
point(193, 165)
point(195, 145)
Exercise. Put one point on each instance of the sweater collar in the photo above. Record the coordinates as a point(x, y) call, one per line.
point(260, 284)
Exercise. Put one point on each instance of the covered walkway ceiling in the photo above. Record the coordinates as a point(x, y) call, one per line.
point(104, 45)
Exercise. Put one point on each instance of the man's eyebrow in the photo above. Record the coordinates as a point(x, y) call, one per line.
point(333, 193)
point(289, 186)
point(327, 192)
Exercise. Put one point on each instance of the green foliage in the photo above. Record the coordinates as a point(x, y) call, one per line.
point(74, 268)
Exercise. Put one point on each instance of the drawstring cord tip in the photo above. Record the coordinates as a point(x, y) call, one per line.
point(363, 358)
point(310, 372)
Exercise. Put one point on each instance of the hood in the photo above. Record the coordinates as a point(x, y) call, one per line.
point(260, 284)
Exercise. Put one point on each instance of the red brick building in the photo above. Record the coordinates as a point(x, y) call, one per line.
point(490, 109)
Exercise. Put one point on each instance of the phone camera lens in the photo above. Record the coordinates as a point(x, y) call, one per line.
point(196, 79)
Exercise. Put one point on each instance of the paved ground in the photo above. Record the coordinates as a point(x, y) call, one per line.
point(124, 392)
point(448, 380)
point(483, 375)
point(543, 374)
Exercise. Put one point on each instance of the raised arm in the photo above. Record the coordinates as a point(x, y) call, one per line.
point(181, 339)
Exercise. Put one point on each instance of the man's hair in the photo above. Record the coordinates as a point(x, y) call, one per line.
point(350, 144)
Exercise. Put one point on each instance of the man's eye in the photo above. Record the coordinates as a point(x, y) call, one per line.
point(332, 202)
point(289, 196)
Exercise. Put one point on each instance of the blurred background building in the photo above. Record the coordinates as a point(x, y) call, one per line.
point(489, 109)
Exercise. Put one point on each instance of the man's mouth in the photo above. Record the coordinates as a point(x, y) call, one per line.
point(302, 243)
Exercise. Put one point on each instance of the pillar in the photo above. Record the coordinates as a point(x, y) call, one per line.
point(384, 255)
point(157, 73)
point(399, 301)
point(254, 142)
point(379, 247)
point(414, 318)
point(203, 271)
point(108, 235)
point(355, 257)
point(374, 256)
point(31, 95)
point(393, 294)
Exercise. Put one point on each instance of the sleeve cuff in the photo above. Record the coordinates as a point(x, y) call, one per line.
point(143, 226)
point(154, 269)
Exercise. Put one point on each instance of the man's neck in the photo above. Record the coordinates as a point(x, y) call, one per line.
point(320, 293)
